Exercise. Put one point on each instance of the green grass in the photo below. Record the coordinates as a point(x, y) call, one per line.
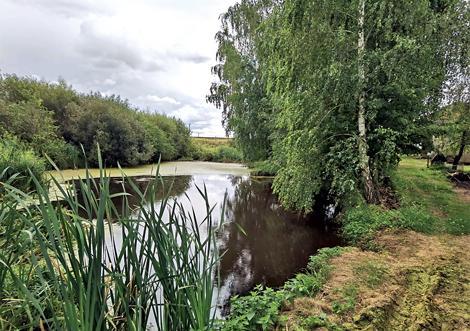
point(212, 142)
point(347, 301)
point(428, 204)
point(373, 273)
point(430, 189)
point(361, 223)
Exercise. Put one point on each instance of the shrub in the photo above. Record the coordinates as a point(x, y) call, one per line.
point(201, 153)
point(215, 149)
point(56, 120)
point(256, 311)
point(16, 161)
point(64, 155)
point(227, 154)
point(264, 168)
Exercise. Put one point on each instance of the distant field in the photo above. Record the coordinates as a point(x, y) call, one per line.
point(212, 142)
point(215, 149)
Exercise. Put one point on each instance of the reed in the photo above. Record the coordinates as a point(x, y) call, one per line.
point(102, 266)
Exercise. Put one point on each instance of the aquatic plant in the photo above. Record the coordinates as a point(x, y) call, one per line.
point(101, 266)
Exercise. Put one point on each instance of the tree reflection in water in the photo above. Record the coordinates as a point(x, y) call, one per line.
point(172, 186)
point(275, 244)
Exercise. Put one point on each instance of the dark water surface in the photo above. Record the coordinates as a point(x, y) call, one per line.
point(274, 245)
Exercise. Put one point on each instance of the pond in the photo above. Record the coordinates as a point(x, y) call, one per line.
point(274, 244)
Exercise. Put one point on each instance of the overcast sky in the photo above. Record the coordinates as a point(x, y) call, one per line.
point(156, 53)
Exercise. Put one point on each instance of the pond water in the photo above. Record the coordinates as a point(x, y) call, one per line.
point(274, 245)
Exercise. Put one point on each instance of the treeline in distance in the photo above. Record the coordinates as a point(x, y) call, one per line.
point(55, 120)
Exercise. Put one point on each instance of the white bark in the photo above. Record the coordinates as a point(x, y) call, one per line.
point(369, 189)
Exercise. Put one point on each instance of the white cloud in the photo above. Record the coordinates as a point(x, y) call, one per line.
point(67, 8)
point(202, 121)
point(156, 53)
point(109, 82)
point(157, 99)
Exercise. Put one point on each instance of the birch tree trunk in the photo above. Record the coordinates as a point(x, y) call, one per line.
point(370, 192)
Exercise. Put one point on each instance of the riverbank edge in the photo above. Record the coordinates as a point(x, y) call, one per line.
point(346, 296)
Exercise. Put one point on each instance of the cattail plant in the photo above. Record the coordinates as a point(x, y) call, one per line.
point(105, 266)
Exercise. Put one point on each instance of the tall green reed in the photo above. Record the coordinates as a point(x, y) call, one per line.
point(105, 266)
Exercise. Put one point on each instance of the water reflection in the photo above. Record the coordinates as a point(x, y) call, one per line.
point(277, 243)
point(172, 187)
point(274, 245)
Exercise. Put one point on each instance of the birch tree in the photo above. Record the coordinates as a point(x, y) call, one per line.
point(369, 187)
point(348, 84)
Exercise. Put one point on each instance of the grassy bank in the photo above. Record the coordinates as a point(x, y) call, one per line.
point(409, 268)
point(430, 189)
point(428, 203)
point(414, 282)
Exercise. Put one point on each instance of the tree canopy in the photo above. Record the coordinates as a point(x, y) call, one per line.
point(335, 90)
point(56, 120)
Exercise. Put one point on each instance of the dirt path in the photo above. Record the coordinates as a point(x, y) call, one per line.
point(463, 194)
point(415, 282)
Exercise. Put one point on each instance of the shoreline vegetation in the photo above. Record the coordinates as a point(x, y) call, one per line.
point(69, 269)
point(51, 121)
point(406, 266)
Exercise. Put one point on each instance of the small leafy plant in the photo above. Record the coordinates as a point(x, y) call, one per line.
point(347, 302)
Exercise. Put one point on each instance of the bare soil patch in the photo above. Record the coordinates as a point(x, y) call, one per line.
point(415, 282)
point(463, 193)
point(462, 185)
